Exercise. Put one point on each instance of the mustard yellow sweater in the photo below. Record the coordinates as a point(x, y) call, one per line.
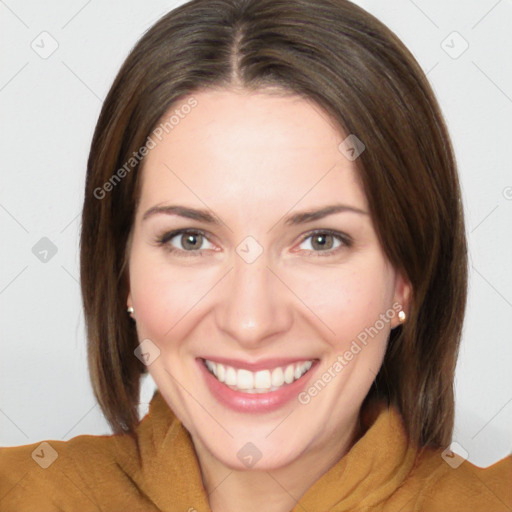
point(381, 473)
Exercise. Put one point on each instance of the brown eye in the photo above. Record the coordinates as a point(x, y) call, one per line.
point(191, 241)
point(184, 241)
point(326, 241)
point(322, 241)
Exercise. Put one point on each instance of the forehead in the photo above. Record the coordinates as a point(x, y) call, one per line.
point(245, 149)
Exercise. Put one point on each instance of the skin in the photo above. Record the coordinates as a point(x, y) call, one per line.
point(252, 158)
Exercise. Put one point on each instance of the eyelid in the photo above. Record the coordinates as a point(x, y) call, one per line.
point(164, 239)
point(346, 240)
point(167, 236)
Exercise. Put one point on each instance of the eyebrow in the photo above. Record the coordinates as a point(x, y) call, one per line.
point(291, 220)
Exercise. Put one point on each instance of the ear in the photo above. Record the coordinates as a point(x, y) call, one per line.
point(401, 298)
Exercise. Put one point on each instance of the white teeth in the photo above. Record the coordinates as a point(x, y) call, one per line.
point(261, 381)
point(289, 374)
point(244, 379)
point(277, 377)
point(221, 373)
point(230, 376)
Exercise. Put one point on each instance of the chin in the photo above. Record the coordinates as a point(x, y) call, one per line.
point(251, 456)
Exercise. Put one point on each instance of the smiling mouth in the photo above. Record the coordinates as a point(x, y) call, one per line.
point(261, 381)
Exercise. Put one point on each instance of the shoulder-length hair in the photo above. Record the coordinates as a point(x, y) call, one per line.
point(357, 70)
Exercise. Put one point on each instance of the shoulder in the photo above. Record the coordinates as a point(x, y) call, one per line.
point(60, 475)
point(91, 472)
point(443, 480)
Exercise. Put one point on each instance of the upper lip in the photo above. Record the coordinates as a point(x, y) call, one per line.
point(262, 364)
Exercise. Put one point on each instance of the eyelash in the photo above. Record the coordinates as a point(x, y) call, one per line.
point(164, 239)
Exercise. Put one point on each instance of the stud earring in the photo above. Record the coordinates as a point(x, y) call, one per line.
point(130, 310)
point(402, 316)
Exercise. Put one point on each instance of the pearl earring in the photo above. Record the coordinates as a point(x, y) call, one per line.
point(130, 310)
point(402, 316)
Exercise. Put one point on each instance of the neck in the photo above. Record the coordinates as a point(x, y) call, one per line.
point(275, 490)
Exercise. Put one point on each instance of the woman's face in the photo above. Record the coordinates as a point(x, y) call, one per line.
point(261, 293)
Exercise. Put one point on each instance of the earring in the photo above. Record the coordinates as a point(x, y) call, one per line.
point(130, 310)
point(402, 316)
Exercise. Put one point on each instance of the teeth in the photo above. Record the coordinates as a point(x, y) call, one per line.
point(221, 373)
point(230, 375)
point(288, 374)
point(261, 381)
point(277, 377)
point(244, 379)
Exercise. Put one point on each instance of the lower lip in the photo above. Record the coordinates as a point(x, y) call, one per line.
point(255, 402)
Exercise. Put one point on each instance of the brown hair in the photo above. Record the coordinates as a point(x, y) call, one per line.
point(359, 72)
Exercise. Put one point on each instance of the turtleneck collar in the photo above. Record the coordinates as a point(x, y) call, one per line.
point(367, 475)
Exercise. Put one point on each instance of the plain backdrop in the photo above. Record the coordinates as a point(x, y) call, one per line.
point(58, 60)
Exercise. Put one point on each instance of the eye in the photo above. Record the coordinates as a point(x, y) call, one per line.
point(183, 241)
point(325, 242)
point(189, 242)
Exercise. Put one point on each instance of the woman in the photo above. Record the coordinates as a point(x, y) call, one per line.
point(273, 229)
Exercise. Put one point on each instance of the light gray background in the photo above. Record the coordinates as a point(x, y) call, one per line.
point(49, 109)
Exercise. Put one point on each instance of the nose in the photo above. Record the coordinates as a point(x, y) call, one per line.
point(255, 306)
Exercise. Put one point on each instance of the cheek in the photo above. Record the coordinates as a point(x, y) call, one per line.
point(161, 295)
point(350, 300)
